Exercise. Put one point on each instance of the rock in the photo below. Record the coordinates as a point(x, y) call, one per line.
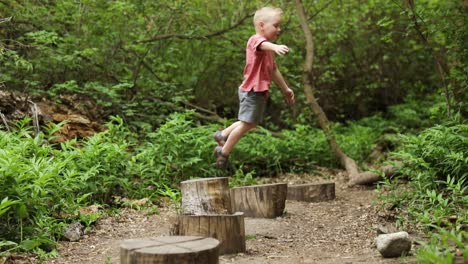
point(73, 232)
point(394, 244)
point(385, 229)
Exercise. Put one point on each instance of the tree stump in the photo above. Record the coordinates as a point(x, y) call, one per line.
point(170, 250)
point(206, 196)
point(264, 201)
point(312, 192)
point(228, 229)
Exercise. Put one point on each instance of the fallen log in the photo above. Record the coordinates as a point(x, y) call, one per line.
point(368, 177)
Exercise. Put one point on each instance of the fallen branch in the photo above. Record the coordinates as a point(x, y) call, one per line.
point(201, 109)
point(368, 177)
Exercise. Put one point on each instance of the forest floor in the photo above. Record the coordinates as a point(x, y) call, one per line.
point(339, 231)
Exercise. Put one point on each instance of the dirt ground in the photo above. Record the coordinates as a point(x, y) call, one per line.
point(338, 231)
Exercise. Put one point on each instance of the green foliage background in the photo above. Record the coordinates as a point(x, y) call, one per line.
point(146, 62)
point(140, 58)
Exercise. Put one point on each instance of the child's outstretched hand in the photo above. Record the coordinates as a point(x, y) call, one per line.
point(281, 49)
point(289, 95)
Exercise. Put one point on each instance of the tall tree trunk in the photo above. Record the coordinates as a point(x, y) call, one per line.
point(345, 161)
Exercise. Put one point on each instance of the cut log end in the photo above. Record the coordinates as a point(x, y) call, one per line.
point(171, 249)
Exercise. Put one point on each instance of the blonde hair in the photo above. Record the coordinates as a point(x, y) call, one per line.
point(264, 14)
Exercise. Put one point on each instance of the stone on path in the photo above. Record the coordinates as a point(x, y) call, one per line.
point(73, 232)
point(394, 244)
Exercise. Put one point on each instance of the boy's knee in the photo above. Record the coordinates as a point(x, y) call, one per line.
point(249, 125)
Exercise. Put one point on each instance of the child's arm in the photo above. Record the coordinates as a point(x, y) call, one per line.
point(279, 80)
point(278, 49)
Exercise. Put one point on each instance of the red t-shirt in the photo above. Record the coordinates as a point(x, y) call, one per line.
point(258, 67)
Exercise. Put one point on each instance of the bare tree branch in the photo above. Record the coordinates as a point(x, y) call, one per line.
point(201, 109)
point(320, 10)
point(206, 36)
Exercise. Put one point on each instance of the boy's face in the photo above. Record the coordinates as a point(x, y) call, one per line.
point(271, 28)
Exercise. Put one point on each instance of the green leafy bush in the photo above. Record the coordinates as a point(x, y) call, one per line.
point(177, 151)
point(416, 114)
point(435, 154)
point(436, 163)
point(443, 246)
point(44, 184)
point(300, 149)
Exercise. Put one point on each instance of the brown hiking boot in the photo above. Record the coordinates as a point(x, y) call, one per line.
point(221, 160)
point(218, 137)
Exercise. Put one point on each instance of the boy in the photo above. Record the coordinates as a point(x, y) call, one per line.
point(259, 70)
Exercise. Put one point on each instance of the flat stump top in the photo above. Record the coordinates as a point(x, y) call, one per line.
point(170, 244)
point(260, 185)
point(205, 179)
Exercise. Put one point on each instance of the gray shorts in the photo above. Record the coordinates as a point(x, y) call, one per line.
point(252, 106)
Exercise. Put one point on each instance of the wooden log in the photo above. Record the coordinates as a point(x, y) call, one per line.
point(206, 196)
point(312, 192)
point(265, 201)
point(390, 170)
point(170, 250)
point(228, 229)
point(369, 177)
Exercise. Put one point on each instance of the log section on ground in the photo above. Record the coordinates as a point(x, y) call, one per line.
point(170, 249)
point(263, 201)
point(206, 196)
point(312, 192)
point(228, 229)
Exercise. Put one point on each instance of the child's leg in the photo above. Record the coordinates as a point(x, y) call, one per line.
point(221, 136)
point(227, 131)
point(236, 131)
point(251, 109)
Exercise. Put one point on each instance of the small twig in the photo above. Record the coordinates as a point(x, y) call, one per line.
point(35, 116)
point(4, 20)
point(269, 257)
point(5, 121)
